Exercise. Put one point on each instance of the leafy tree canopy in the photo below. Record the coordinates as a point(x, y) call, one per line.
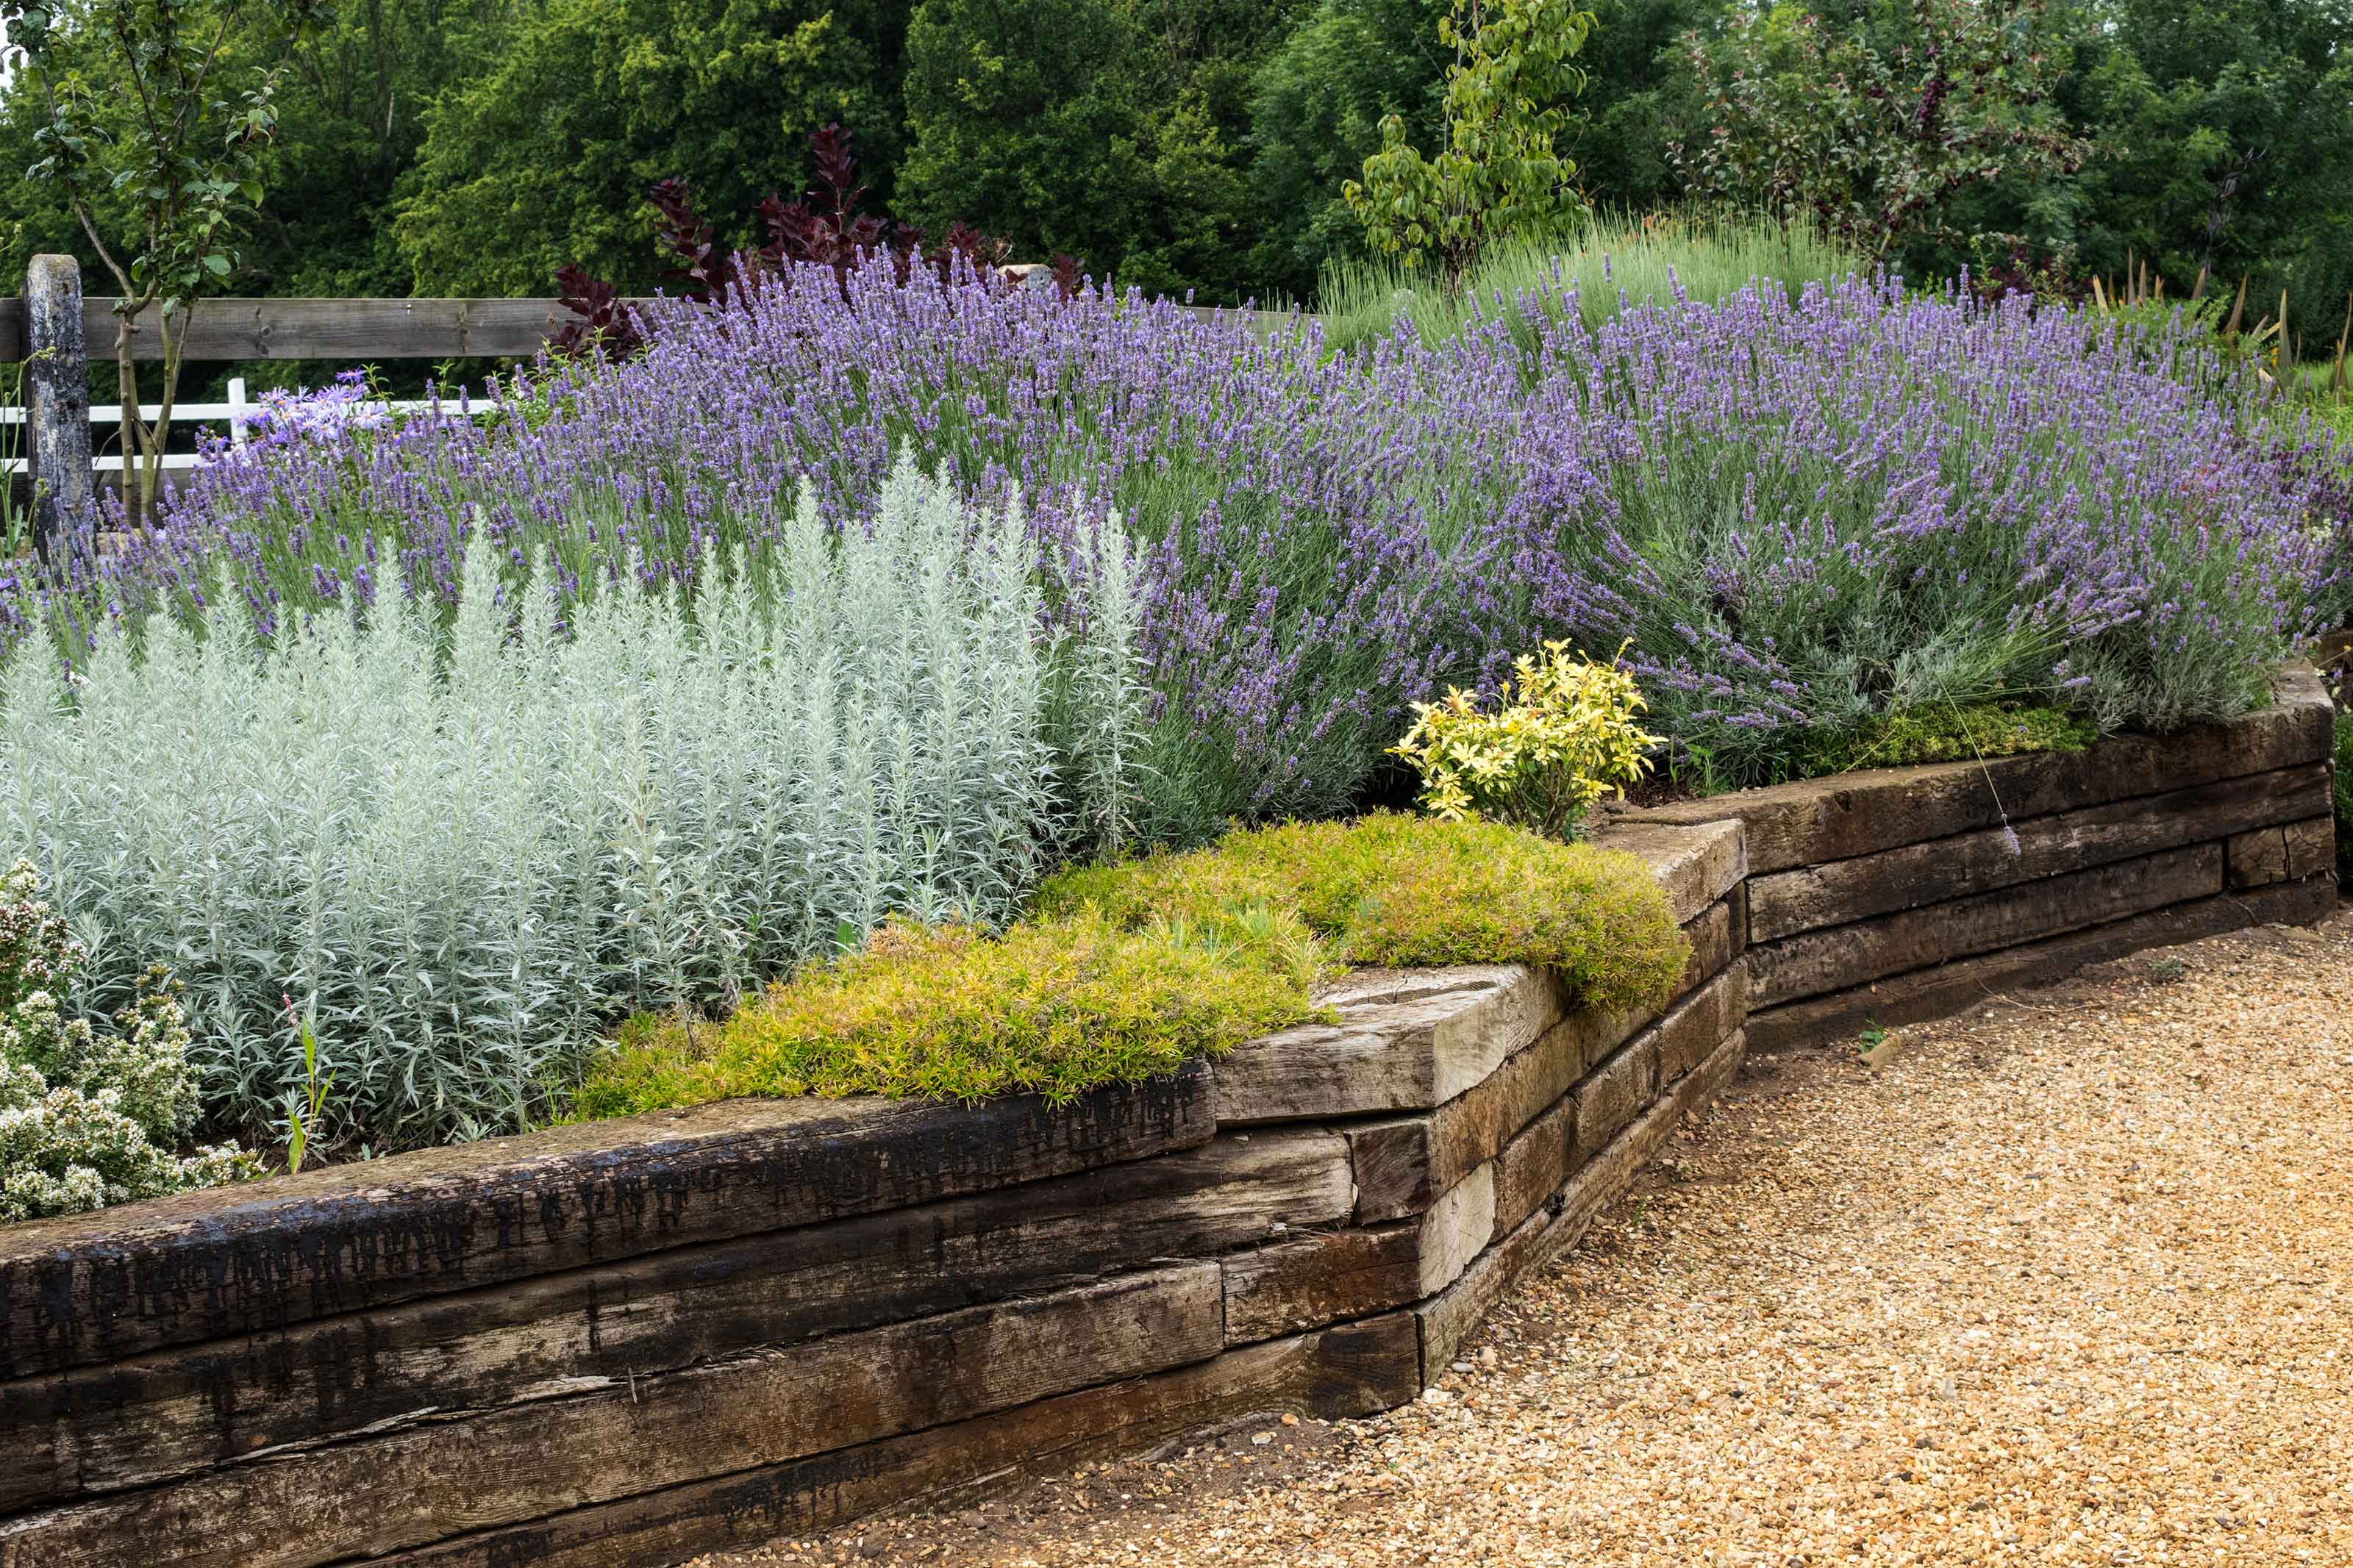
point(1115, 130)
point(544, 154)
point(1316, 106)
point(1502, 174)
point(1872, 119)
point(475, 145)
point(2224, 131)
point(350, 103)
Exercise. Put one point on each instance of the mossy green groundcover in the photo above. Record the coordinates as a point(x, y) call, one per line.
point(1125, 972)
point(1948, 735)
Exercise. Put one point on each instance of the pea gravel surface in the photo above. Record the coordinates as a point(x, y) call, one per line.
point(2069, 1281)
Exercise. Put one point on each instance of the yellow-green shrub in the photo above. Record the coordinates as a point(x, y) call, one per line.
point(1561, 735)
point(1126, 971)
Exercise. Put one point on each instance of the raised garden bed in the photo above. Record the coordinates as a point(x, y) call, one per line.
point(1906, 893)
point(630, 1341)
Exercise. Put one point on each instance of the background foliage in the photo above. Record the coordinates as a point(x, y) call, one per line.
point(1499, 174)
point(429, 145)
point(540, 152)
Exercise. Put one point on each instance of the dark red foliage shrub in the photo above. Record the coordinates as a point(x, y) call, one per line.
point(2020, 272)
point(601, 323)
point(708, 269)
point(822, 227)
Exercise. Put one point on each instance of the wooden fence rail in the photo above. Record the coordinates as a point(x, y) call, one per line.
point(318, 329)
point(54, 330)
point(354, 329)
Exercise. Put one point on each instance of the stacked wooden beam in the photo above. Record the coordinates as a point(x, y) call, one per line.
point(1908, 893)
point(628, 1343)
point(632, 1342)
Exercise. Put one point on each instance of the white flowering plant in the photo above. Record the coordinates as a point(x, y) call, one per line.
point(89, 1119)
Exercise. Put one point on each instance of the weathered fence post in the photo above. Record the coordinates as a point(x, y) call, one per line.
point(58, 360)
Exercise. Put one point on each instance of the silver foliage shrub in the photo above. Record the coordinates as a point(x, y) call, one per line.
point(465, 852)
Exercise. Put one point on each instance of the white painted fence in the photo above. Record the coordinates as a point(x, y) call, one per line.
point(238, 412)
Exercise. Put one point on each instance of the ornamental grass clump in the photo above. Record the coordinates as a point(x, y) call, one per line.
point(1126, 971)
point(460, 853)
point(1560, 736)
point(89, 1118)
point(1608, 265)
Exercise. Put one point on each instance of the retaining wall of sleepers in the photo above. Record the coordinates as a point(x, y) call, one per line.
point(632, 1342)
point(1901, 894)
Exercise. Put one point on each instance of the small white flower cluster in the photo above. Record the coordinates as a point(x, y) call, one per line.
point(89, 1120)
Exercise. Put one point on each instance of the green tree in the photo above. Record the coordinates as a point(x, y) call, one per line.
point(1639, 89)
point(1502, 174)
point(543, 156)
point(141, 128)
point(1875, 118)
point(1114, 129)
point(349, 104)
point(351, 119)
point(1316, 107)
point(2224, 132)
point(1319, 101)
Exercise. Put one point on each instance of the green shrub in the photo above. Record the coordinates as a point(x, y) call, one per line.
point(1127, 972)
point(1950, 734)
point(1396, 890)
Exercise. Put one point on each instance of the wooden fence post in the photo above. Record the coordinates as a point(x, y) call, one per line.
point(58, 361)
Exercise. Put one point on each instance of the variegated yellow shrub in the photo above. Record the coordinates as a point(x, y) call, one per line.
point(1562, 734)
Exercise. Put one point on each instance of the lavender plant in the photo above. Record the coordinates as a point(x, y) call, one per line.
point(1802, 512)
point(462, 851)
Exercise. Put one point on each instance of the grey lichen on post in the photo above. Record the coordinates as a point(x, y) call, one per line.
point(58, 360)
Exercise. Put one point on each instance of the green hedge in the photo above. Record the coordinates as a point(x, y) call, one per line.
point(1125, 973)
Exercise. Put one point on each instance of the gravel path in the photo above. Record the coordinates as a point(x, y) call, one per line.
point(2065, 1282)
